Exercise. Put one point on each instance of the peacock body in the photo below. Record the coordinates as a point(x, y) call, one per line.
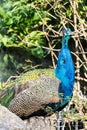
point(46, 93)
point(65, 70)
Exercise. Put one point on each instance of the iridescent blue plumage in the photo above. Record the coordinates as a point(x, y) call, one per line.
point(65, 71)
point(45, 93)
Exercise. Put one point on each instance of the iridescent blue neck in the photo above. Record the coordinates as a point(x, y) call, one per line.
point(65, 41)
point(65, 72)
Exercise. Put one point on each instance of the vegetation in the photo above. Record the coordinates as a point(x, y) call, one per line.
point(34, 24)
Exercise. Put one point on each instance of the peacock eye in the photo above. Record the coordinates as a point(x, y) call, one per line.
point(64, 61)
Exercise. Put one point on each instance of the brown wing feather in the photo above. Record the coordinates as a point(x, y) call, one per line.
point(41, 91)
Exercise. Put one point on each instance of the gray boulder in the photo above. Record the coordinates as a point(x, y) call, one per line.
point(9, 121)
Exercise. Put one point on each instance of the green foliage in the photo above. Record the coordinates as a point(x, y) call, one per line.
point(20, 26)
point(29, 24)
point(9, 64)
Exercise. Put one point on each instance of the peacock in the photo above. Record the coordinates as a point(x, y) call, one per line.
point(44, 94)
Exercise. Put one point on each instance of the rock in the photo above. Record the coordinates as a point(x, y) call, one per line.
point(41, 123)
point(38, 123)
point(9, 121)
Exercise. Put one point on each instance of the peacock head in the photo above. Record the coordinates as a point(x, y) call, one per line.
point(67, 33)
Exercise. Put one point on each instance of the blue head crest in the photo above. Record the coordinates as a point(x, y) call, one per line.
point(66, 36)
point(66, 32)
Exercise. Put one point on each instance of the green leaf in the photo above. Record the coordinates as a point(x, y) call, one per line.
point(5, 58)
point(37, 52)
